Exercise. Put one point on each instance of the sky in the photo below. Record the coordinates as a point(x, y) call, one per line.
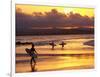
point(29, 17)
point(29, 9)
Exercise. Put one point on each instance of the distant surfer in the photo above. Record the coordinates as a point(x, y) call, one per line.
point(52, 44)
point(62, 44)
point(32, 52)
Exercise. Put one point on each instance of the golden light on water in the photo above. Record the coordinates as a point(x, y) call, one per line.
point(72, 62)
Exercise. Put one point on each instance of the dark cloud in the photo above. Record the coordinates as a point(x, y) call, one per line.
point(51, 19)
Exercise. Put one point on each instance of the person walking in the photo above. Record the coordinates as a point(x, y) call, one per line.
point(62, 44)
point(53, 45)
point(32, 52)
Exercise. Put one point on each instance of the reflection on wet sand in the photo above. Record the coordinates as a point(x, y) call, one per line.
point(33, 67)
point(75, 55)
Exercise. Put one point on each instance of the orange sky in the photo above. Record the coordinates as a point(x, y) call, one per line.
point(29, 9)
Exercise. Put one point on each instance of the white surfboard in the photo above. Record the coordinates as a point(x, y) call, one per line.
point(30, 53)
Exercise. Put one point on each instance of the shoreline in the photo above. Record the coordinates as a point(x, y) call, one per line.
point(77, 54)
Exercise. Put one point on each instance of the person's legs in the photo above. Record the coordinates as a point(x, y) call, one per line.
point(33, 66)
point(34, 60)
point(52, 47)
point(62, 46)
point(31, 62)
point(34, 63)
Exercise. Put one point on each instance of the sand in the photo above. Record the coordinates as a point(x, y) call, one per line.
point(75, 55)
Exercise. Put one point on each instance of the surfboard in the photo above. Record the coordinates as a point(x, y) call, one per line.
point(52, 44)
point(30, 53)
point(62, 44)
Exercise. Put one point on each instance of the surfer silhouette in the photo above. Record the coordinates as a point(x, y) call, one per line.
point(52, 44)
point(32, 52)
point(33, 55)
point(62, 44)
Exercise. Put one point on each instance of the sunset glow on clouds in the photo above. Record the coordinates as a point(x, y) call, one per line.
point(29, 9)
point(29, 17)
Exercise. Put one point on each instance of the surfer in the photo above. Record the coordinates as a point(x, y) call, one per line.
point(52, 44)
point(62, 44)
point(33, 54)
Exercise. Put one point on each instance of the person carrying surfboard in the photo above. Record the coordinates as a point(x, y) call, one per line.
point(33, 54)
point(52, 44)
point(62, 44)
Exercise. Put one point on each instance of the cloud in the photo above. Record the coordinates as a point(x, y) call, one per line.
point(51, 19)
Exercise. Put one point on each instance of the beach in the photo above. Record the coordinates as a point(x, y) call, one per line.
point(74, 55)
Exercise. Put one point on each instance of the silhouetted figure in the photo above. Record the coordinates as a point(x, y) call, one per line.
point(33, 56)
point(62, 44)
point(52, 44)
point(32, 52)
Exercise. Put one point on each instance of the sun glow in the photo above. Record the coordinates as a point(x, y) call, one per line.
point(29, 9)
point(83, 11)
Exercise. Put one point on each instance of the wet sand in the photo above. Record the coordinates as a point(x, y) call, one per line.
point(75, 55)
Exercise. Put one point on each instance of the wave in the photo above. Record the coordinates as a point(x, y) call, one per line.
point(38, 43)
point(23, 55)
